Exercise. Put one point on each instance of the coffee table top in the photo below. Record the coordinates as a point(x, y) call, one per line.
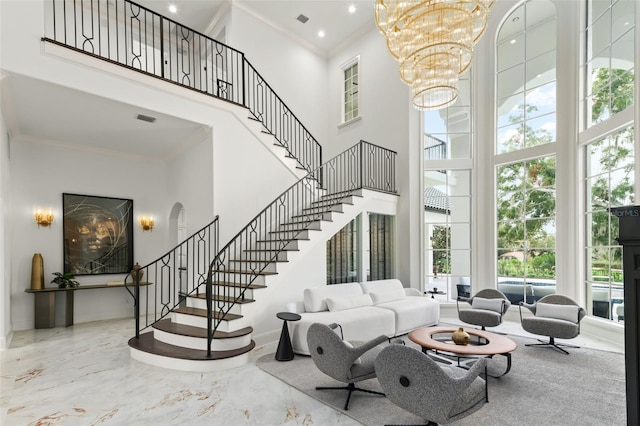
point(439, 338)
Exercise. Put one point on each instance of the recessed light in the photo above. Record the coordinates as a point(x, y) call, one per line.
point(173, 8)
point(513, 41)
point(320, 33)
point(352, 9)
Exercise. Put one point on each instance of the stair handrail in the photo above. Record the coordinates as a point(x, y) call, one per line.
point(363, 166)
point(162, 273)
point(163, 48)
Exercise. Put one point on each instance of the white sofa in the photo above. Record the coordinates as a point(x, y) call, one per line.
point(363, 310)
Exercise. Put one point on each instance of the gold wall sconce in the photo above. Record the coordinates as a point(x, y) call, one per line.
point(146, 223)
point(43, 219)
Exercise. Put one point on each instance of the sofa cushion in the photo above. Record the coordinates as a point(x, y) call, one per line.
point(487, 304)
point(344, 303)
point(380, 285)
point(315, 298)
point(562, 312)
point(413, 312)
point(379, 297)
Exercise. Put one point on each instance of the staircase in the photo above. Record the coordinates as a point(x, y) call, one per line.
point(180, 340)
point(197, 304)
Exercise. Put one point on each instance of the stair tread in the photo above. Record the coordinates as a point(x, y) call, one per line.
point(230, 284)
point(268, 250)
point(188, 330)
point(259, 261)
point(242, 271)
point(188, 310)
point(226, 299)
point(292, 239)
point(147, 343)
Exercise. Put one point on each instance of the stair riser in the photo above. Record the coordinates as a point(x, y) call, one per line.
point(189, 365)
point(330, 201)
point(232, 292)
point(196, 302)
point(232, 277)
point(276, 245)
point(327, 216)
point(201, 322)
point(315, 225)
point(201, 343)
point(268, 256)
point(337, 208)
point(254, 266)
point(285, 235)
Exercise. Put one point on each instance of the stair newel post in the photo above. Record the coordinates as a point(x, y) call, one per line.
point(209, 295)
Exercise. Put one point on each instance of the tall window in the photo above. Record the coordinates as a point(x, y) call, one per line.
point(608, 69)
point(609, 182)
point(526, 80)
point(380, 247)
point(525, 180)
point(609, 149)
point(343, 254)
point(350, 104)
point(447, 193)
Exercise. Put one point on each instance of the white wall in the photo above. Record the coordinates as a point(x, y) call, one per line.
point(298, 76)
point(40, 173)
point(5, 236)
point(387, 120)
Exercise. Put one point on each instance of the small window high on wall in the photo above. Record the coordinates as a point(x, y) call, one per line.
point(350, 97)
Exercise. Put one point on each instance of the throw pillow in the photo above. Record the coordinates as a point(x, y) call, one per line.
point(350, 346)
point(562, 312)
point(487, 304)
point(387, 296)
point(344, 303)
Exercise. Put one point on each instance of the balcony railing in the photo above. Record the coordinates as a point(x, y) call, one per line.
point(130, 35)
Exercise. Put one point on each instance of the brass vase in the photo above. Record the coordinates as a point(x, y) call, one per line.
point(460, 337)
point(137, 273)
point(37, 272)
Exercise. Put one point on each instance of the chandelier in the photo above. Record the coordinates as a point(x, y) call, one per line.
point(433, 42)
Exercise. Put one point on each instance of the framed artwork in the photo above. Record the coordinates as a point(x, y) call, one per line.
point(98, 234)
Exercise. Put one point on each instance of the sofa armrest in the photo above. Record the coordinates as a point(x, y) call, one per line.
point(296, 307)
point(412, 292)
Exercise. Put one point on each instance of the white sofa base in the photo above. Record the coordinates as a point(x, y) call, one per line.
point(393, 318)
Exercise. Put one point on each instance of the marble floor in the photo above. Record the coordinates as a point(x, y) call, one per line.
point(83, 375)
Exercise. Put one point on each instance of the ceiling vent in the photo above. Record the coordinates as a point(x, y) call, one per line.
point(146, 118)
point(302, 18)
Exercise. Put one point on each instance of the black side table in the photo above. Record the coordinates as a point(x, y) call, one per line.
point(285, 351)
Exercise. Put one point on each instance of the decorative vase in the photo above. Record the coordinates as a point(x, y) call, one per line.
point(460, 337)
point(37, 272)
point(137, 273)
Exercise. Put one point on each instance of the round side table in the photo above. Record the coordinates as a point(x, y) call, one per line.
point(285, 351)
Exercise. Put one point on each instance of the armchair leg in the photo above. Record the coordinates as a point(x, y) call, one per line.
point(552, 343)
point(351, 388)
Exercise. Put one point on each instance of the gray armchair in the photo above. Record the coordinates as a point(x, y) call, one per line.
point(347, 362)
point(488, 307)
point(555, 316)
point(439, 394)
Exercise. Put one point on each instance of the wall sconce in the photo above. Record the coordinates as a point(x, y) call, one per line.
point(146, 223)
point(43, 219)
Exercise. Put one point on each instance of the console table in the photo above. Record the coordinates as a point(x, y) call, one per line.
point(45, 302)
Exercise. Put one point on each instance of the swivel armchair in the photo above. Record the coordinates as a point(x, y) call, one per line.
point(488, 307)
point(439, 394)
point(347, 362)
point(555, 316)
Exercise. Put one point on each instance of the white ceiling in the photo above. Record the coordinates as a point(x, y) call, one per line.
point(34, 110)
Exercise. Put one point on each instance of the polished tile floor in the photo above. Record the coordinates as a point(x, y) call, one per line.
point(83, 375)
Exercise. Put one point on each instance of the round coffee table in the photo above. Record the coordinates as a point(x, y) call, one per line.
point(436, 342)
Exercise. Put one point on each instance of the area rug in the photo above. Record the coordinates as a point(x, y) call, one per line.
point(544, 387)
